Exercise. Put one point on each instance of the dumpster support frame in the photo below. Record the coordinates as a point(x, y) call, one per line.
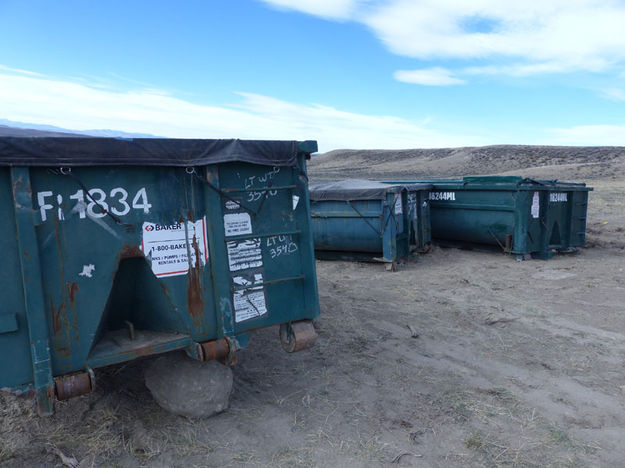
point(30, 267)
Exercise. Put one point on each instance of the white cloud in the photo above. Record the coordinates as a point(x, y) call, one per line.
point(335, 9)
point(436, 76)
point(18, 71)
point(590, 135)
point(517, 69)
point(79, 106)
point(616, 94)
point(538, 36)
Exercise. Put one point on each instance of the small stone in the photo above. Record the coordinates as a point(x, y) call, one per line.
point(187, 387)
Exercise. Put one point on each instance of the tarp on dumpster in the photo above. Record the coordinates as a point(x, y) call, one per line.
point(351, 189)
point(61, 152)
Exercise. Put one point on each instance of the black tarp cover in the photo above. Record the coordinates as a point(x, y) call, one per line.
point(351, 189)
point(61, 152)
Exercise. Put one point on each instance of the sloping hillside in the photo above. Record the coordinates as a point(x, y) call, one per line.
point(7, 131)
point(554, 162)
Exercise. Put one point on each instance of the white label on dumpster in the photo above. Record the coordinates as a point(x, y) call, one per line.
point(249, 303)
point(236, 224)
point(168, 245)
point(232, 205)
point(557, 197)
point(443, 196)
point(412, 206)
point(244, 254)
point(398, 207)
point(536, 205)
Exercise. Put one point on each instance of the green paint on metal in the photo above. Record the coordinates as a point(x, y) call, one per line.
point(362, 229)
point(28, 249)
point(110, 263)
point(518, 215)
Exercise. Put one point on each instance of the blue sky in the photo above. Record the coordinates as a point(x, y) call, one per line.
point(348, 73)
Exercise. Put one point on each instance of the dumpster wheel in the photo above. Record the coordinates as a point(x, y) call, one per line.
point(296, 336)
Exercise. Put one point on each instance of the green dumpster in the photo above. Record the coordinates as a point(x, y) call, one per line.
point(116, 249)
point(418, 205)
point(517, 215)
point(360, 220)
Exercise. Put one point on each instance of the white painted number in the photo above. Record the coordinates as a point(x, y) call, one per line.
point(142, 197)
point(97, 195)
point(94, 204)
point(121, 201)
point(80, 204)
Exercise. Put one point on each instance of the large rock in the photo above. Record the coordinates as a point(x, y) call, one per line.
point(188, 387)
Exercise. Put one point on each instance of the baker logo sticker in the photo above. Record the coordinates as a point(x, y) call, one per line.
point(172, 247)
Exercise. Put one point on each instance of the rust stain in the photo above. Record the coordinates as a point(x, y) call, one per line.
point(17, 184)
point(72, 288)
point(56, 319)
point(130, 251)
point(71, 293)
point(195, 302)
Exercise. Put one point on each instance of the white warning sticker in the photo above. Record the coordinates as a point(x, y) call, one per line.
point(244, 254)
point(249, 303)
point(535, 205)
point(412, 206)
point(398, 207)
point(169, 246)
point(236, 224)
point(232, 205)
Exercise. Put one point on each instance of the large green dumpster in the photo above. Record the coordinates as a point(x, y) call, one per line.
point(116, 249)
point(418, 205)
point(518, 215)
point(360, 220)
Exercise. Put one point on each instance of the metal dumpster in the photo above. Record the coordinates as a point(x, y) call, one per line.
point(418, 204)
point(360, 220)
point(518, 215)
point(116, 249)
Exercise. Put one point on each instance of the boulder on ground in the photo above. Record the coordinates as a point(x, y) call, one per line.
point(188, 387)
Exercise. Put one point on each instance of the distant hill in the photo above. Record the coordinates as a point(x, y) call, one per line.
point(31, 132)
point(552, 162)
point(24, 129)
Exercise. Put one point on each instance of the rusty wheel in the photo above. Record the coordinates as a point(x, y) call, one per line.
point(297, 335)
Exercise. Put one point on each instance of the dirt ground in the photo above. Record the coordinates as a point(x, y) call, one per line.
point(515, 364)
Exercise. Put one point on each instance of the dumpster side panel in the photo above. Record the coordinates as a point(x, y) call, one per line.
point(348, 226)
point(96, 276)
point(422, 230)
point(270, 263)
point(578, 209)
point(477, 216)
point(104, 264)
point(15, 357)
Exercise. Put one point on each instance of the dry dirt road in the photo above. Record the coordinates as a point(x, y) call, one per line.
point(515, 364)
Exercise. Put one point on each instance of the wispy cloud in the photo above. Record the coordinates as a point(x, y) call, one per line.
point(615, 94)
point(334, 9)
point(547, 36)
point(436, 76)
point(76, 105)
point(18, 71)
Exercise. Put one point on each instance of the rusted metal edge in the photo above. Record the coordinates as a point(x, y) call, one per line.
point(68, 386)
point(296, 336)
